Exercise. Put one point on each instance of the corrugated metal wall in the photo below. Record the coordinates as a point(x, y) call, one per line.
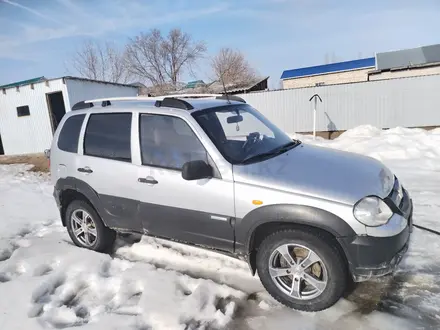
point(80, 90)
point(32, 133)
point(408, 102)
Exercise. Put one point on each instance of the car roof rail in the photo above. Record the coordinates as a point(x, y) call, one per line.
point(82, 105)
point(152, 98)
point(107, 101)
point(172, 102)
point(192, 96)
point(215, 96)
point(231, 98)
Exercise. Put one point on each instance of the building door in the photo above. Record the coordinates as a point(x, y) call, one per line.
point(57, 110)
point(2, 151)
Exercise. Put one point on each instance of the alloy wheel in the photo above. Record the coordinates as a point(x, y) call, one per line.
point(298, 271)
point(83, 227)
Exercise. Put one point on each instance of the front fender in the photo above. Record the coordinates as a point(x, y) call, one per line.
point(287, 213)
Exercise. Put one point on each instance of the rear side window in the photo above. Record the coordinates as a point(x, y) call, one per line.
point(108, 136)
point(69, 135)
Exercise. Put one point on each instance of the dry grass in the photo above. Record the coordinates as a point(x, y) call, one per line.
point(40, 162)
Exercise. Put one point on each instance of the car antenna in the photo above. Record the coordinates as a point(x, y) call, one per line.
point(224, 89)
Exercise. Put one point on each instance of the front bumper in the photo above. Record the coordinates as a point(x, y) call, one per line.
point(371, 257)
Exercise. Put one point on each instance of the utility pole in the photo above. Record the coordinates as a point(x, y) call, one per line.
point(315, 98)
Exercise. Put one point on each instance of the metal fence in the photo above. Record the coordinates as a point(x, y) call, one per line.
point(406, 102)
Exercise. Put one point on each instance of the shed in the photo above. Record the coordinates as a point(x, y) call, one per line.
point(30, 110)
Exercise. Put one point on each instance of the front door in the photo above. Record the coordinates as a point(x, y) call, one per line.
point(199, 211)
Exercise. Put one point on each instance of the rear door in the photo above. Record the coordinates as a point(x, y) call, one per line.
point(64, 149)
point(199, 211)
point(106, 166)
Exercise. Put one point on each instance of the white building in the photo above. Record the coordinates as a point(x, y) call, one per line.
point(31, 110)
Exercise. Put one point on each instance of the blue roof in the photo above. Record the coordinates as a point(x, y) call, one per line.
point(328, 68)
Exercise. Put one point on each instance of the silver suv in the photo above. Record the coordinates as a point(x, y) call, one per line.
point(212, 171)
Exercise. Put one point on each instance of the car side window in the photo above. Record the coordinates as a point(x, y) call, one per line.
point(168, 142)
point(69, 135)
point(108, 135)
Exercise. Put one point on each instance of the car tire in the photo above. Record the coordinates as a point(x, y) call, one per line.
point(331, 269)
point(100, 237)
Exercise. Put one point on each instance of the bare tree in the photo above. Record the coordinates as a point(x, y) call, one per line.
point(100, 62)
point(231, 66)
point(162, 60)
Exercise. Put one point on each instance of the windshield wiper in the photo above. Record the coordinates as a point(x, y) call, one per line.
point(271, 153)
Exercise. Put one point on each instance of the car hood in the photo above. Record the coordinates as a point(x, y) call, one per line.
point(321, 172)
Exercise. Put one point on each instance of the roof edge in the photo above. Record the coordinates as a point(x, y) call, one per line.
point(331, 72)
point(94, 81)
point(43, 79)
point(362, 63)
point(23, 82)
point(406, 68)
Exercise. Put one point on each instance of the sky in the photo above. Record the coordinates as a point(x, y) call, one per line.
point(38, 37)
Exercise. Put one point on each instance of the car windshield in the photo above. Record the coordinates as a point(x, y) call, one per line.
point(242, 134)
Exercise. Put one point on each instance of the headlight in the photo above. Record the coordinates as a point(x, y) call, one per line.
point(387, 183)
point(372, 211)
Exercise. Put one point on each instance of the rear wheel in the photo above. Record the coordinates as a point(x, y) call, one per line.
point(86, 228)
point(303, 270)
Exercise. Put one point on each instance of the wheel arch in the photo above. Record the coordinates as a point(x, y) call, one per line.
point(67, 197)
point(263, 221)
point(70, 189)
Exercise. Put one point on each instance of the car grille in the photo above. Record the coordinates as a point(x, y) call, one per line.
point(399, 196)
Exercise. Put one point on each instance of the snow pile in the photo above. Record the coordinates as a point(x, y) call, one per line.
point(417, 146)
point(192, 261)
point(25, 191)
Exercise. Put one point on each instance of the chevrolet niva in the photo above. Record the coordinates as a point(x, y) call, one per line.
point(211, 171)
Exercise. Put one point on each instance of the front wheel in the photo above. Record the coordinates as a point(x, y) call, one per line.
point(303, 270)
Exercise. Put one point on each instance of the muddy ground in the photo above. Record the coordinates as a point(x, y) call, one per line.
point(40, 162)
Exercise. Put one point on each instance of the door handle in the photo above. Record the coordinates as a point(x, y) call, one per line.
point(85, 170)
point(148, 180)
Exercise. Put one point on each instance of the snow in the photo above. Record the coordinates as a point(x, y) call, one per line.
point(146, 283)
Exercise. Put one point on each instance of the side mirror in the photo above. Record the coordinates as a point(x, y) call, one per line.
point(196, 169)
